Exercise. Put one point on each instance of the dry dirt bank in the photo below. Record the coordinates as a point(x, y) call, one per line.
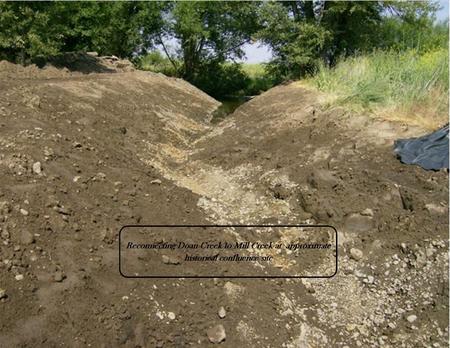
point(136, 147)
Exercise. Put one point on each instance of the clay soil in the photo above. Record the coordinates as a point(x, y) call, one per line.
point(84, 154)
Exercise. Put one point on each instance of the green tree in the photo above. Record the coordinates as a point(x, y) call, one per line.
point(119, 28)
point(304, 33)
point(296, 40)
point(34, 29)
point(208, 33)
point(28, 29)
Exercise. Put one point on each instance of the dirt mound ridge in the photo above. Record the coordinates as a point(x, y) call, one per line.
point(66, 64)
point(71, 177)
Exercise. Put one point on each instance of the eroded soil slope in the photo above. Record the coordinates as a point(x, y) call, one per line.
point(82, 155)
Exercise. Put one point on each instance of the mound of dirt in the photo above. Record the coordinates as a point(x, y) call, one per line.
point(83, 155)
point(66, 64)
point(71, 177)
point(89, 62)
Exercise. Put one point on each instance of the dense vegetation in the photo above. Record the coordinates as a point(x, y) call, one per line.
point(395, 85)
point(201, 41)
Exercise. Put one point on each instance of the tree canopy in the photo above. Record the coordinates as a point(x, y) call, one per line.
point(301, 34)
point(34, 29)
point(209, 33)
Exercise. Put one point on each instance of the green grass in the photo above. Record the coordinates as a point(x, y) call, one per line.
point(407, 86)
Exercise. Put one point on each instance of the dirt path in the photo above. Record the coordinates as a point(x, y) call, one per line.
point(138, 148)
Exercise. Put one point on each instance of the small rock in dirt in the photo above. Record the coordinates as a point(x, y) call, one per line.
point(76, 178)
point(216, 334)
point(19, 277)
point(58, 277)
point(156, 181)
point(24, 212)
point(358, 223)
point(411, 318)
point(37, 168)
point(3, 293)
point(100, 176)
point(62, 210)
point(5, 234)
point(367, 212)
point(222, 313)
point(171, 315)
point(370, 279)
point(27, 238)
point(48, 152)
point(5, 207)
point(321, 179)
point(356, 254)
point(170, 260)
point(436, 209)
point(404, 247)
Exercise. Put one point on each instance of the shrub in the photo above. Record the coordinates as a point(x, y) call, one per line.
point(156, 62)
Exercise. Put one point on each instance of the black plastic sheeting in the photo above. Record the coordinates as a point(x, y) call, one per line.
point(429, 151)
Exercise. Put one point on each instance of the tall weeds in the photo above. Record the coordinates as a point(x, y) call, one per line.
point(407, 86)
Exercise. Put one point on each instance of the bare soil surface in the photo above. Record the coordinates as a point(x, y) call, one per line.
point(84, 154)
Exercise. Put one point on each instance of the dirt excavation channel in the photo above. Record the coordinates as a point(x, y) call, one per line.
point(83, 155)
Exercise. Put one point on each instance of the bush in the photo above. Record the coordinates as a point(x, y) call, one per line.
point(221, 80)
point(156, 62)
point(232, 80)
